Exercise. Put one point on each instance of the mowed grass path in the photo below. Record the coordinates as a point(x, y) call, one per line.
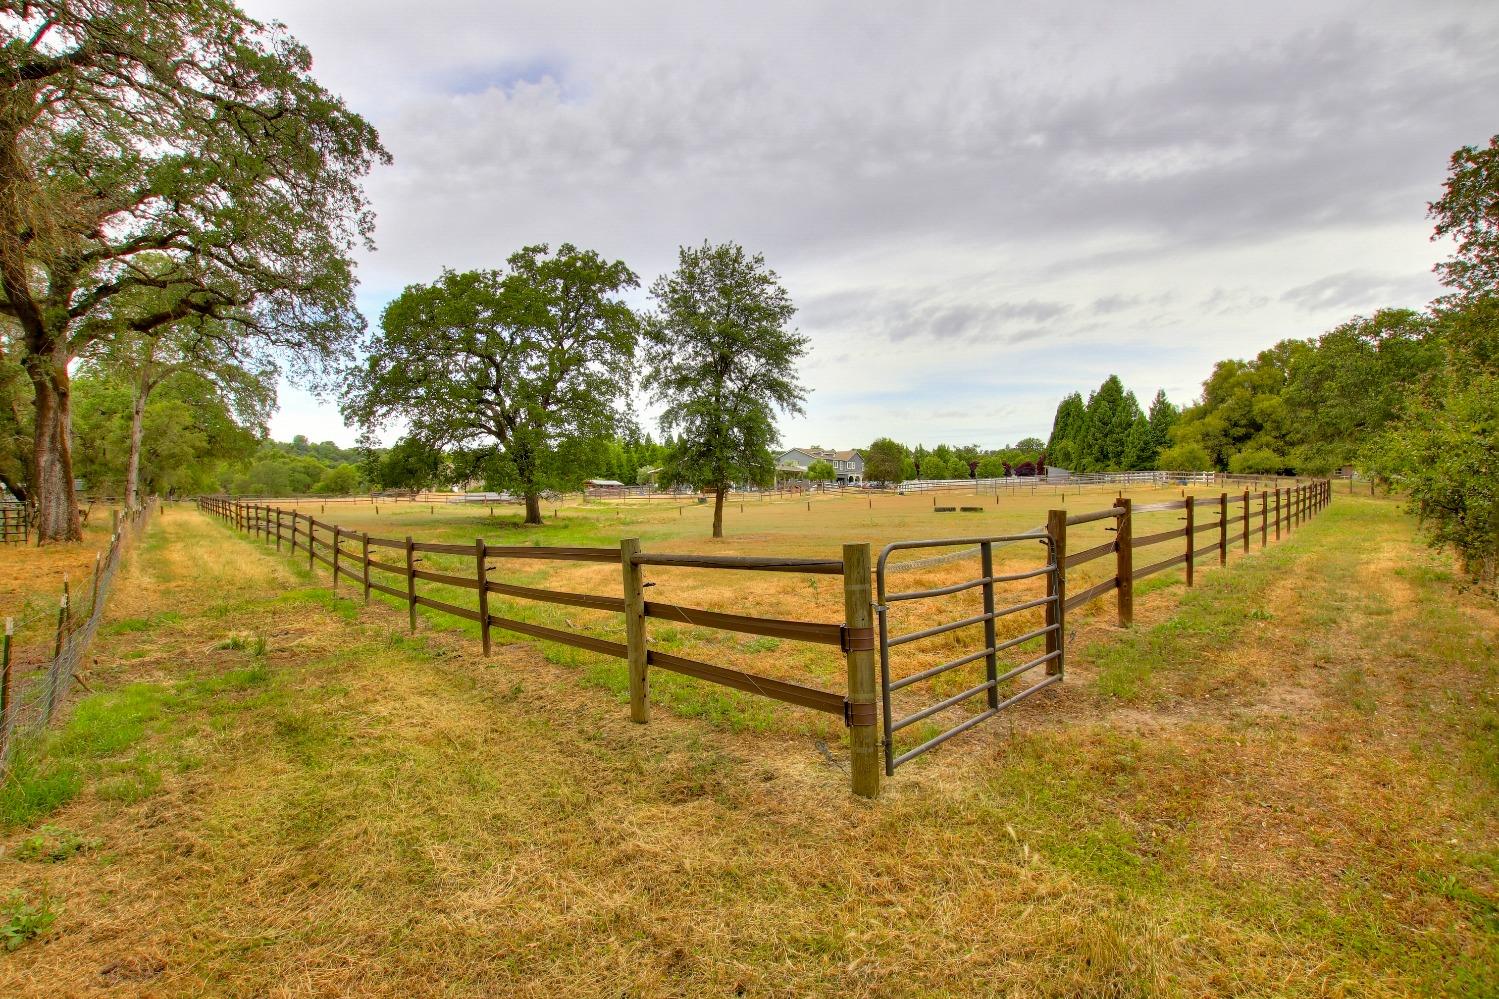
point(1285, 782)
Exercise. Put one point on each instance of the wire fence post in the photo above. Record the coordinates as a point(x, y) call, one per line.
point(636, 655)
point(1124, 561)
point(858, 617)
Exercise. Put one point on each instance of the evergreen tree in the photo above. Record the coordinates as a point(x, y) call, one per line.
point(1163, 416)
point(1067, 428)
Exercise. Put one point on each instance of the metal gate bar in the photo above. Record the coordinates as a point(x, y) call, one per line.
point(989, 653)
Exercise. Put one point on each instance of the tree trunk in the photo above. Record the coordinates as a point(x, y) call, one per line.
point(133, 462)
point(52, 455)
point(718, 510)
point(533, 508)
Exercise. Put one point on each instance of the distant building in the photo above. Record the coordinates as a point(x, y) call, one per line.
point(848, 466)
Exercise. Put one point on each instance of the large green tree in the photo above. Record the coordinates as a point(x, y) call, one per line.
point(884, 461)
point(1445, 449)
point(1243, 408)
point(722, 361)
point(177, 443)
point(172, 130)
point(1162, 417)
point(199, 345)
point(1064, 448)
point(513, 370)
point(1352, 385)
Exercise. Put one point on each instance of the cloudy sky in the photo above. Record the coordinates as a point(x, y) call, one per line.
point(978, 207)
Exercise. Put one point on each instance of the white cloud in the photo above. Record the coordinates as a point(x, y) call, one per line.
point(978, 208)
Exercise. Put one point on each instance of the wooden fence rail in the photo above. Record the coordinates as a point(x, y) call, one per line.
point(334, 546)
point(331, 545)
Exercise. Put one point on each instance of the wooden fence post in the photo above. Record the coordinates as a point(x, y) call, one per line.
point(858, 617)
point(635, 647)
point(311, 537)
point(1124, 562)
point(1246, 522)
point(364, 557)
point(1277, 512)
point(7, 704)
point(1264, 518)
point(1056, 586)
point(1223, 528)
point(411, 582)
point(278, 528)
point(1191, 535)
point(337, 534)
point(481, 558)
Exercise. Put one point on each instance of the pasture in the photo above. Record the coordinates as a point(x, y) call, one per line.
point(1281, 782)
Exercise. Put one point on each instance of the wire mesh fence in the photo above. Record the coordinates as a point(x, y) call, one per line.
point(35, 678)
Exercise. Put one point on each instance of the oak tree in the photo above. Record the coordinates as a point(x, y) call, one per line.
point(176, 130)
point(722, 361)
point(509, 370)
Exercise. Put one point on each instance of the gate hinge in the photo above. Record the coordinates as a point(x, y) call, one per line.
point(856, 639)
point(858, 714)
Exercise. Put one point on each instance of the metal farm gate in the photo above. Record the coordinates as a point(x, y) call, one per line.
point(987, 582)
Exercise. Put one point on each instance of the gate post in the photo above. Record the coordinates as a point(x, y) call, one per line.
point(1056, 586)
point(636, 657)
point(1124, 562)
point(858, 618)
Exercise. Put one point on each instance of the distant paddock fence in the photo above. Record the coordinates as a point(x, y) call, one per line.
point(1232, 521)
point(15, 523)
point(34, 687)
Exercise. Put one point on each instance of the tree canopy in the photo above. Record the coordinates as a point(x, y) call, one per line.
point(722, 361)
point(160, 159)
point(514, 371)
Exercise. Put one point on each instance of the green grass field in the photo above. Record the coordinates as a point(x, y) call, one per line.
point(1281, 782)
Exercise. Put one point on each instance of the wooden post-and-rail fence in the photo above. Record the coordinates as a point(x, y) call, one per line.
point(332, 546)
point(1286, 508)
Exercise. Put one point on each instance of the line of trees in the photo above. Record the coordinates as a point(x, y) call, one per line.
point(1110, 432)
point(887, 460)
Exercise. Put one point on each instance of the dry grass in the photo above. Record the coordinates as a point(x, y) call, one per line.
point(1265, 788)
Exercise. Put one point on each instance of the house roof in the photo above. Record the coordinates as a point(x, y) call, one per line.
point(825, 454)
